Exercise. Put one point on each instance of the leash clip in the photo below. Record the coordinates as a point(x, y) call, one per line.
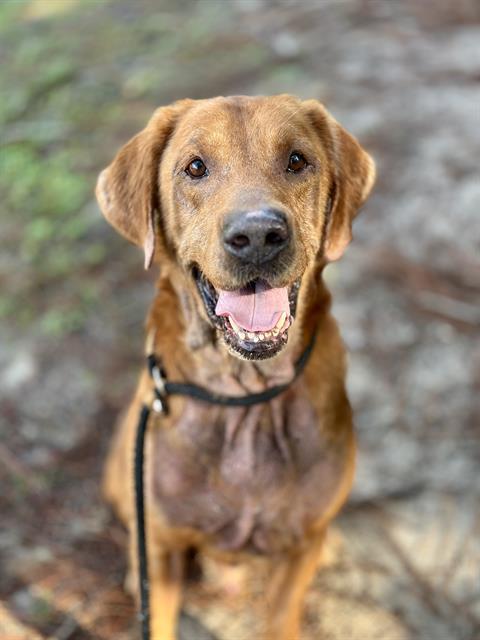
point(159, 379)
point(159, 404)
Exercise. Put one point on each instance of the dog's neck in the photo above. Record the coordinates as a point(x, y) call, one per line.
point(187, 341)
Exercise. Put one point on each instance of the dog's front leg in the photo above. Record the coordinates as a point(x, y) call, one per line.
point(288, 584)
point(166, 571)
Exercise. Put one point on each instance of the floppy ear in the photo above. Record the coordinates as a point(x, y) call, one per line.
point(353, 176)
point(128, 190)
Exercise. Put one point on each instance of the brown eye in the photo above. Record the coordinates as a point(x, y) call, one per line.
point(196, 168)
point(296, 162)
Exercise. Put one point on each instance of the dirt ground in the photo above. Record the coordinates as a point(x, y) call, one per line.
point(77, 79)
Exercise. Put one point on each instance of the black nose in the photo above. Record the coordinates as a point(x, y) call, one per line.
point(256, 236)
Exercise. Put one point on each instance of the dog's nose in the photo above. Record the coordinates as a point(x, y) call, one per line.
point(256, 236)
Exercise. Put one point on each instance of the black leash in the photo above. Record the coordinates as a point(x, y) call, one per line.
point(140, 513)
point(163, 389)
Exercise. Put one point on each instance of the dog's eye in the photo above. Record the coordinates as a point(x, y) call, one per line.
point(296, 162)
point(196, 168)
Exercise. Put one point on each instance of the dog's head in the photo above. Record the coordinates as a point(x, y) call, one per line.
point(242, 195)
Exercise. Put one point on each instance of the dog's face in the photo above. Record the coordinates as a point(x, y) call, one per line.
point(243, 195)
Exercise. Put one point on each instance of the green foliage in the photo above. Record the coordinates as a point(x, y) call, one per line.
point(45, 195)
point(58, 322)
point(49, 187)
point(10, 12)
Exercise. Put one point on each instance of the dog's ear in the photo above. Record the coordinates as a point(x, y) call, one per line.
point(352, 179)
point(128, 190)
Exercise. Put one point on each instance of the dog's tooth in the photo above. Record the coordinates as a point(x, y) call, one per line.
point(261, 336)
point(268, 334)
point(235, 326)
point(255, 338)
point(251, 336)
point(275, 332)
point(241, 335)
point(281, 320)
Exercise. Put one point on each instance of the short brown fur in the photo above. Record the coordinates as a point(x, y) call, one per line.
point(231, 482)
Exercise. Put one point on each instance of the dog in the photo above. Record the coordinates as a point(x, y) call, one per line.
point(242, 202)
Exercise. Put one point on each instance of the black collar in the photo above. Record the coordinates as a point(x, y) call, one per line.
point(163, 388)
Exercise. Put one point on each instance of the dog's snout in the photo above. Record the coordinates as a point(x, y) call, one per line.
point(256, 236)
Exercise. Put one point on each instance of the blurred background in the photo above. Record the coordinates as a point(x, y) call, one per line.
point(78, 78)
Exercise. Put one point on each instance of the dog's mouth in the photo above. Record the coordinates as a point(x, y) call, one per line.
point(254, 320)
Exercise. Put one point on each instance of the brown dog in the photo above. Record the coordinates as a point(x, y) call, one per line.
point(242, 202)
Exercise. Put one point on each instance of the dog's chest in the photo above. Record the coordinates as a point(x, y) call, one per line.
point(251, 479)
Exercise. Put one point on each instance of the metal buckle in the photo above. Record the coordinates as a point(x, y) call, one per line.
point(159, 379)
point(159, 404)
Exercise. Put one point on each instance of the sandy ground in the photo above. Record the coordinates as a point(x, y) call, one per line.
point(403, 560)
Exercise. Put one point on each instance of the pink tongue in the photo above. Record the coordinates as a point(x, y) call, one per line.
point(255, 308)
